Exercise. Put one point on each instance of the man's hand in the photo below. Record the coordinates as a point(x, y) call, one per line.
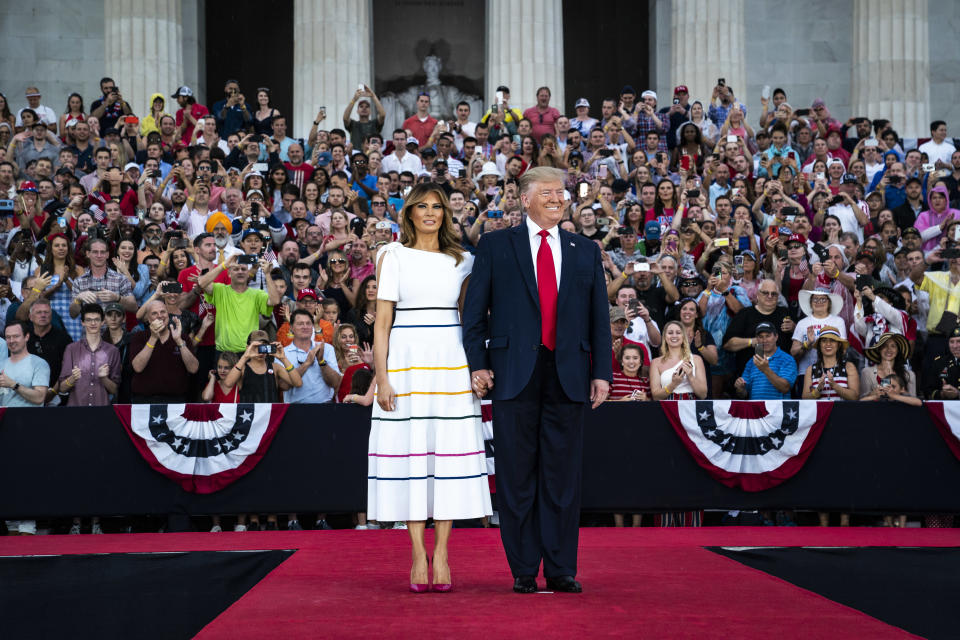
point(6, 381)
point(599, 390)
point(761, 363)
point(175, 330)
point(482, 382)
point(103, 371)
point(788, 325)
point(156, 328)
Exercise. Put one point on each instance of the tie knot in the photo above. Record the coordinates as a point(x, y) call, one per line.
point(543, 233)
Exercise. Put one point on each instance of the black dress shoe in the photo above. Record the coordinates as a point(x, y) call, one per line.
point(566, 584)
point(525, 584)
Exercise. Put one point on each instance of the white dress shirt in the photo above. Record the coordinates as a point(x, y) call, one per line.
point(409, 162)
point(553, 241)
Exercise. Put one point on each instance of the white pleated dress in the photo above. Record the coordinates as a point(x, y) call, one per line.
point(426, 458)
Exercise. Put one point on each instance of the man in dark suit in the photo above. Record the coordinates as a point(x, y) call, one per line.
point(536, 317)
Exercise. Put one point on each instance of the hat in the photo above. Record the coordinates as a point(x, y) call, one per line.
point(64, 171)
point(848, 178)
point(183, 91)
point(689, 277)
point(796, 237)
point(803, 298)
point(131, 119)
point(911, 231)
point(764, 327)
point(113, 306)
point(324, 158)
point(581, 102)
point(429, 151)
point(111, 131)
point(130, 165)
point(27, 185)
point(617, 313)
point(250, 232)
point(217, 216)
point(72, 122)
point(413, 140)
point(629, 89)
point(680, 88)
point(866, 254)
point(307, 293)
point(903, 346)
point(253, 192)
point(831, 333)
point(748, 252)
point(38, 123)
point(489, 169)
point(503, 88)
point(649, 94)
point(651, 231)
point(818, 102)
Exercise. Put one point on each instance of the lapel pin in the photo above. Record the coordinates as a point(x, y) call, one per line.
point(572, 245)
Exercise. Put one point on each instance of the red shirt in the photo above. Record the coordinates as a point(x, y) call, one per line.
point(203, 309)
point(542, 121)
point(624, 386)
point(643, 348)
point(420, 130)
point(197, 111)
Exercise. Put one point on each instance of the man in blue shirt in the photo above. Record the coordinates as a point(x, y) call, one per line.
point(232, 113)
point(769, 376)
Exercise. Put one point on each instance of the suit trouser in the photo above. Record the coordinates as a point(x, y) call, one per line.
point(538, 438)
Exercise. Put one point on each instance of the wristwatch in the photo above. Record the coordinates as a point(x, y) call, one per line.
point(727, 292)
point(16, 386)
point(322, 363)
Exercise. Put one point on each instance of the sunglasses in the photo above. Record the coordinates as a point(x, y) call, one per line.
point(337, 261)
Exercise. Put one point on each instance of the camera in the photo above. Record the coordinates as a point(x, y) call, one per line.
point(269, 349)
point(822, 252)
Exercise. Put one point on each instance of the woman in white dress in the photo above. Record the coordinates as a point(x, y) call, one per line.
point(677, 374)
point(426, 455)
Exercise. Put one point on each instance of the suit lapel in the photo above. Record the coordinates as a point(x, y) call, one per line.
point(568, 257)
point(521, 245)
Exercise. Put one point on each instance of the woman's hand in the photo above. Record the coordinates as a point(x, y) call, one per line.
point(366, 354)
point(386, 396)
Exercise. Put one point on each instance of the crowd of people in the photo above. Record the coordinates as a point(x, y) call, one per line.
point(195, 254)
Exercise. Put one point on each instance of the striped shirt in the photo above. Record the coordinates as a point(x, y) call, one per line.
point(624, 385)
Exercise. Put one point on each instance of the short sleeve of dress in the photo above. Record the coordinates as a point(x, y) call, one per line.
point(466, 266)
point(388, 278)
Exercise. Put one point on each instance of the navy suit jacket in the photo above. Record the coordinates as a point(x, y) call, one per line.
point(504, 283)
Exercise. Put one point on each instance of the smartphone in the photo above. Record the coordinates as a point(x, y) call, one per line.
point(499, 95)
point(267, 349)
point(717, 272)
point(360, 87)
point(641, 266)
point(929, 168)
point(496, 213)
point(863, 281)
point(790, 211)
point(172, 287)
point(693, 194)
point(602, 171)
point(956, 233)
point(758, 349)
point(721, 82)
point(261, 167)
point(676, 101)
point(584, 190)
point(802, 112)
point(721, 242)
point(62, 221)
point(735, 192)
point(685, 163)
point(738, 262)
point(179, 243)
point(406, 191)
point(462, 173)
point(821, 175)
point(671, 244)
point(732, 138)
point(765, 92)
point(247, 259)
point(634, 304)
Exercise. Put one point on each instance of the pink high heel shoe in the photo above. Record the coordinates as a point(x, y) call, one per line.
point(419, 588)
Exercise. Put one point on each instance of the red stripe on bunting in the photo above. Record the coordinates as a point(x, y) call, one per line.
point(750, 481)
point(937, 414)
point(197, 483)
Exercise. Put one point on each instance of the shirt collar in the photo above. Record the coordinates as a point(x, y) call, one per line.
point(533, 229)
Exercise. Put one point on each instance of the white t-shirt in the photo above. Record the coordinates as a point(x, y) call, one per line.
point(466, 131)
point(848, 219)
point(47, 116)
point(800, 334)
point(941, 152)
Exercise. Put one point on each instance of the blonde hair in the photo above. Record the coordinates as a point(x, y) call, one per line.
point(685, 353)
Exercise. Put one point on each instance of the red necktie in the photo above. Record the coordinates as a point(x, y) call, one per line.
point(547, 288)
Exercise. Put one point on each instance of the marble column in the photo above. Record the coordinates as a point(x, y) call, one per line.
point(706, 43)
point(332, 45)
point(891, 64)
point(143, 50)
point(525, 51)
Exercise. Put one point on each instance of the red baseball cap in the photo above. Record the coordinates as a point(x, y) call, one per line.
point(27, 185)
point(307, 293)
point(680, 88)
point(797, 237)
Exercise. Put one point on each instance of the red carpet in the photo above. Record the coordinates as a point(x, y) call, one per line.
point(637, 583)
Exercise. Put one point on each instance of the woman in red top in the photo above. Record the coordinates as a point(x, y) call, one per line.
point(628, 384)
point(216, 391)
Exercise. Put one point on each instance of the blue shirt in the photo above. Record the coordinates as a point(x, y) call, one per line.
point(314, 390)
point(31, 371)
point(759, 386)
point(235, 119)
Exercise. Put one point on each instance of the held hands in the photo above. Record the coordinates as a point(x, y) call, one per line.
point(482, 382)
